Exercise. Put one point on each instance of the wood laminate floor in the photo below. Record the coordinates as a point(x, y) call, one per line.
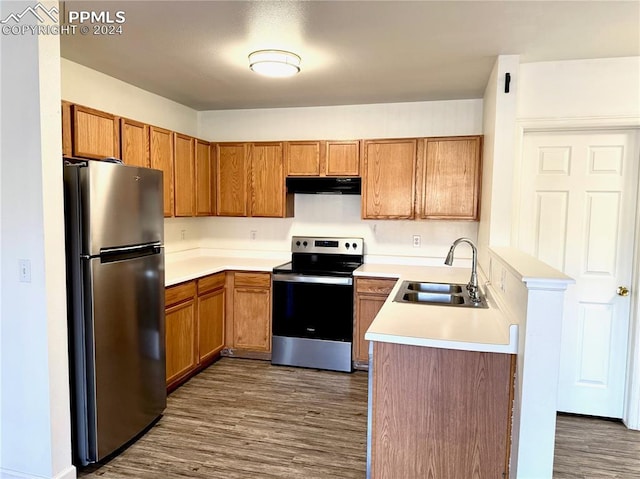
point(244, 419)
point(594, 448)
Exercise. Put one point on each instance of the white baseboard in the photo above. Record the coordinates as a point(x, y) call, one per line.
point(68, 473)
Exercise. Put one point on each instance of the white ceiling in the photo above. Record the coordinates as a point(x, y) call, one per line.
point(353, 52)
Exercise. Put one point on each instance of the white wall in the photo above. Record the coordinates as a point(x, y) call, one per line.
point(531, 294)
point(337, 215)
point(580, 89)
point(498, 166)
point(388, 120)
point(34, 387)
point(91, 88)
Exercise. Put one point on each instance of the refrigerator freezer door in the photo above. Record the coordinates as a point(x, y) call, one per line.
point(120, 206)
point(127, 331)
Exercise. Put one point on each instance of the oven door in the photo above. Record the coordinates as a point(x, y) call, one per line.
point(314, 307)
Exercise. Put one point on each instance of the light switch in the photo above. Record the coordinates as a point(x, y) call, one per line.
point(24, 271)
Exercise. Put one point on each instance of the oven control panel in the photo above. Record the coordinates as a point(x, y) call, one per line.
point(324, 245)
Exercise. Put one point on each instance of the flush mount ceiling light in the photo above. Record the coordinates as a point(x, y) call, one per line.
point(274, 63)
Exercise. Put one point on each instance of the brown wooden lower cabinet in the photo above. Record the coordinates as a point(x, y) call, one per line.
point(211, 303)
point(180, 331)
point(370, 295)
point(249, 315)
point(194, 326)
point(440, 413)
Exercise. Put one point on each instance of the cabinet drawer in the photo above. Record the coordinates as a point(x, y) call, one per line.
point(180, 292)
point(252, 280)
point(375, 285)
point(210, 283)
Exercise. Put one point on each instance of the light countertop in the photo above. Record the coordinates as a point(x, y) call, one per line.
point(449, 327)
point(185, 269)
point(403, 323)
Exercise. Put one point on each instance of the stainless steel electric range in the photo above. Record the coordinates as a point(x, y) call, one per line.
point(313, 303)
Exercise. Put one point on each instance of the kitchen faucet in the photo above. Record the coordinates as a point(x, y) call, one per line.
point(472, 286)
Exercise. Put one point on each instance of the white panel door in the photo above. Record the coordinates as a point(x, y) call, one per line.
point(578, 201)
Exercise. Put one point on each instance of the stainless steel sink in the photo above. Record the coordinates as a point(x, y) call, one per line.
point(440, 294)
point(435, 287)
point(433, 298)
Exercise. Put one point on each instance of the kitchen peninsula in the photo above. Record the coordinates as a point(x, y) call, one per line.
point(444, 396)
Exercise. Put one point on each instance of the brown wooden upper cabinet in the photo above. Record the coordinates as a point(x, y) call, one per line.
point(268, 197)
point(184, 175)
point(388, 179)
point(231, 163)
point(205, 180)
point(134, 139)
point(451, 178)
point(162, 159)
point(95, 134)
point(322, 158)
point(250, 180)
point(303, 158)
point(342, 158)
point(67, 134)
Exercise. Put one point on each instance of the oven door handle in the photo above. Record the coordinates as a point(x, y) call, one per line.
point(296, 278)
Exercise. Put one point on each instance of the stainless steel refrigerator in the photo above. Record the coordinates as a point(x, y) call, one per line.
point(115, 283)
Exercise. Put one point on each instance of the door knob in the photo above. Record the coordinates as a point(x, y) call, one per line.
point(622, 291)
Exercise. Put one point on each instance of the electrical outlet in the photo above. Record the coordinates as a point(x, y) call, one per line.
point(416, 241)
point(24, 270)
point(183, 234)
point(253, 234)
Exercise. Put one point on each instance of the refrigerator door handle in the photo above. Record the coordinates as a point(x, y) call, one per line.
point(131, 249)
point(108, 255)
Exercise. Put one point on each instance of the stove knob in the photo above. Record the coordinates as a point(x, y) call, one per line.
point(304, 243)
point(298, 243)
point(346, 245)
point(354, 245)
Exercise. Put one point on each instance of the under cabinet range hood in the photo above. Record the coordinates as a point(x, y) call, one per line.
point(324, 185)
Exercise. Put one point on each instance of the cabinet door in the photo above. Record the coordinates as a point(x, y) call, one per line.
point(205, 186)
point(231, 179)
point(134, 138)
point(342, 158)
point(267, 181)
point(389, 179)
point(451, 178)
point(96, 134)
point(162, 159)
point(180, 333)
point(210, 324)
point(252, 319)
point(303, 158)
point(367, 307)
point(440, 413)
point(371, 293)
point(184, 175)
point(67, 137)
